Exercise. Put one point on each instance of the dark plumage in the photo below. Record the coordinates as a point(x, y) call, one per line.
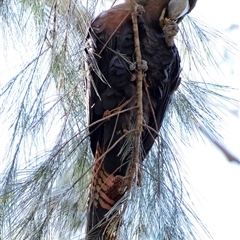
point(110, 52)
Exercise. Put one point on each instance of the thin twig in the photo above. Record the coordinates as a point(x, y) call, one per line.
point(226, 152)
point(137, 143)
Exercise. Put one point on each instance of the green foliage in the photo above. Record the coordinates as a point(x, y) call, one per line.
point(48, 163)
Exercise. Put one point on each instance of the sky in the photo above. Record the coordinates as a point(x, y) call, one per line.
point(215, 182)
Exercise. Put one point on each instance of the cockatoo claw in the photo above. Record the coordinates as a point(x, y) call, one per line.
point(170, 30)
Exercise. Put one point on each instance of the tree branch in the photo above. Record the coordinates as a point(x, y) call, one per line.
point(134, 168)
point(226, 152)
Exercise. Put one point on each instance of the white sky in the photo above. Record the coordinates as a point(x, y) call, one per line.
point(215, 179)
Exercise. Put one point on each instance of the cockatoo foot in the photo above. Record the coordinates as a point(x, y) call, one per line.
point(143, 66)
point(170, 30)
point(139, 9)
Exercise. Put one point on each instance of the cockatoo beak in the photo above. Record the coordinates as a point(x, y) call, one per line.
point(177, 9)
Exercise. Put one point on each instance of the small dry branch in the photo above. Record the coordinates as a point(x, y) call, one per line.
point(226, 152)
point(134, 169)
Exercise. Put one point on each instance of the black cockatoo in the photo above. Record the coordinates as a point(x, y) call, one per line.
point(111, 90)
